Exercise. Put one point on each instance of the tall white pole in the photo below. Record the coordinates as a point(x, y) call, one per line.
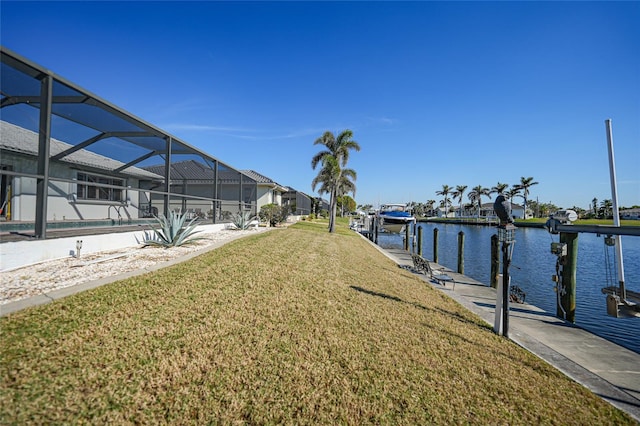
point(616, 213)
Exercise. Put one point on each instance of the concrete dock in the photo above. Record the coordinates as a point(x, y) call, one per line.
point(607, 369)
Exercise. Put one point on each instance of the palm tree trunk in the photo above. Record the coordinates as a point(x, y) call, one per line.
point(332, 213)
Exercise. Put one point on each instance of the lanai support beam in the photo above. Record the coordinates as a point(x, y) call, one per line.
point(44, 145)
point(241, 204)
point(79, 146)
point(213, 165)
point(167, 177)
point(136, 161)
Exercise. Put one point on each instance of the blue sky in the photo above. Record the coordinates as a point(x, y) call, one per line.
point(456, 93)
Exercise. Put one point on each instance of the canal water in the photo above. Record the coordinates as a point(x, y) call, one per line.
point(533, 266)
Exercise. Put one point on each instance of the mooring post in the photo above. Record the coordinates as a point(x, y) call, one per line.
point(407, 236)
point(435, 245)
point(375, 231)
point(414, 237)
point(420, 240)
point(567, 306)
point(495, 261)
point(461, 252)
point(506, 280)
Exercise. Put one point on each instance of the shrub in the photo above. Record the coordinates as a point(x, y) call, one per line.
point(171, 231)
point(273, 214)
point(242, 220)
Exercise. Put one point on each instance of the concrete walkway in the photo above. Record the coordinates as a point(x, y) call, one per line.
point(607, 369)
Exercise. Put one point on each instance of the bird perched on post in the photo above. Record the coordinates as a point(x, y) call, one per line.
point(502, 207)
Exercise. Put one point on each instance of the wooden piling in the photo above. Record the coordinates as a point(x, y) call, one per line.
point(407, 236)
point(372, 235)
point(567, 307)
point(495, 261)
point(461, 252)
point(375, 231)
point(435, 245)
point(420, 240)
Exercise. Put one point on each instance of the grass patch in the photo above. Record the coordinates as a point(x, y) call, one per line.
point(291, 326)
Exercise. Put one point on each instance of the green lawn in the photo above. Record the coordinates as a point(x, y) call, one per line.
point(293, 326)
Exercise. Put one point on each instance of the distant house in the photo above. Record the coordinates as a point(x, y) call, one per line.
point(442, 212)
point(269, 192)
point(234, 191)
point(486, 211)
point(82, 185)
point(323, 204)
point(630, 214)
point(299, 202)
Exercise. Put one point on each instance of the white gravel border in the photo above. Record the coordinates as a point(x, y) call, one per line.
point(47, 279)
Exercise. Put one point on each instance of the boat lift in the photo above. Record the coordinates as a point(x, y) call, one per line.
point(620, 302)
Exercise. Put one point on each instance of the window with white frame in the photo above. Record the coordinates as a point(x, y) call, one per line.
point(88, 190)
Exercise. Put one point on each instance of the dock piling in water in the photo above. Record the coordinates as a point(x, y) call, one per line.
point(407, 236)
point(567, 298)
point(461, 252)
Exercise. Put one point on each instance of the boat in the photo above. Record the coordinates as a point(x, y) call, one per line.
point(394, 217)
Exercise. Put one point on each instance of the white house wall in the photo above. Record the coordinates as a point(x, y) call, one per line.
point(60, 200)
point(267, 195)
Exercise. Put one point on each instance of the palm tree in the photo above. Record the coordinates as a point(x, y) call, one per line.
point(446, 189)
point(458, 194)
point(333, 178)
point(418, 209)
point(335, 181)
point(500, 188)
point(476, 194)
point(524, 185)
point(512, 193)
point(429, 205)
point(606, 207)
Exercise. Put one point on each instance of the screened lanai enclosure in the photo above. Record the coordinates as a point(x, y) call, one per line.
point(69, 158)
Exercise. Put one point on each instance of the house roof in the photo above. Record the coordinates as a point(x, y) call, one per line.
point(18, 139)
point(262, 179)
point(195, 171)
point(490, 206)
point(291, 190)
point(257, 176)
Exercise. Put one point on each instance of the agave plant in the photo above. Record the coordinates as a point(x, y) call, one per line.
point(171, 232)
point(242, 220)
